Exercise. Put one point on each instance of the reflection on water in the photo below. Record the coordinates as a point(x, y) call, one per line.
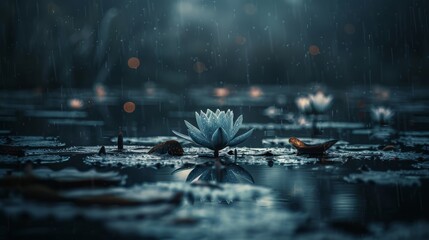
point(217, 171)
point(318, 190)
point(321, 191)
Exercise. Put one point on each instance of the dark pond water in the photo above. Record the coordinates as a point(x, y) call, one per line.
point(356, 190)
point(321, 191)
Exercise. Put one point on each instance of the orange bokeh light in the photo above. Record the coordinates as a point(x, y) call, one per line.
point(133, 63)
point(255, 92)
point(314, 50)
point(221, 92)
point(100, 91)
point(129, 107)
point(75, 103)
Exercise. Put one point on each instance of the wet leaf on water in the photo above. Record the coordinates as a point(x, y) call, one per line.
point(284, 142)
point(311, 149)
point(69, 178)
point(102, 204)
point(422, 165)
point(147, 141)
point(11, 150)
point(37, 159)
point(31, 142)
point(323, 125)
point(55, 114)
point(359, 147)
point(74, 122)
point(171, 147)
point(413, 141)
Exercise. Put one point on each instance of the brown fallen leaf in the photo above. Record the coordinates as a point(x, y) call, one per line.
point(11, 150)
point(388, 148)
point(172, 147)
point(311, 149)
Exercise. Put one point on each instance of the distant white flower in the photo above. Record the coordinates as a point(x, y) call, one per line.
point(303, 104)
point(216, 130)
point(302, 121)
point(381, 114)
point(320, 102)
point(272, 112)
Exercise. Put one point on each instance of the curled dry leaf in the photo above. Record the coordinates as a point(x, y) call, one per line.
point(171, 147)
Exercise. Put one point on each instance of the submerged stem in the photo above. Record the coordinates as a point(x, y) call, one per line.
point(216, 153)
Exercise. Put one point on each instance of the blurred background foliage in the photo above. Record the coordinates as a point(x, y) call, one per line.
point(177, 44)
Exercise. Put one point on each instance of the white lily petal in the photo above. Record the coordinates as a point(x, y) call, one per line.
point(230, 123)
point(239, 139)
point(224, 124)
point(200, 140)
point(199, 123)
point(219, 139)
point(209, 127)
point(237, 125)
point(220, 120)
point(210, 113)
point(181, 135)
point(194, 129)
point(212, 125)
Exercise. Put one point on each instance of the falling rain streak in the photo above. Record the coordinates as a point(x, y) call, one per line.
point(190, 119)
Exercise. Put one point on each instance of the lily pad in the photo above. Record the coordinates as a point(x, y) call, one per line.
point(102, 204)
point(39, 159)
point(147, 141)
point(74, 122)
point(402, 177)
point(55, 114)
point(139, 157)
point(359, 147)
point(324, 125)
point(422, 165)
point(285, 141)
point(414, 133)
point(72, 174)
point(47, 179)
point(31, 141)
point(413, 141)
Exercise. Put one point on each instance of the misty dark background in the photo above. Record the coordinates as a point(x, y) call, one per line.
point(339, 43)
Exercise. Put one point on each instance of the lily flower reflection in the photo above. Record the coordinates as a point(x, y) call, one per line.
point(216, 130)
point(217, 171)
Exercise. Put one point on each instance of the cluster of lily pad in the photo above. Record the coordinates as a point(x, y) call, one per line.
point(217, 130)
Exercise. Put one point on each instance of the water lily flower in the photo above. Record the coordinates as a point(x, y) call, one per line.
point(381, 115)
point(303, 104)
point(320, 102)
point(216, 130)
